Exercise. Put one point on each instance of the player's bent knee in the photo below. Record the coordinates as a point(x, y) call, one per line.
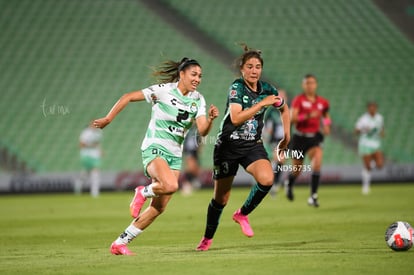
point(267, 182)
point(265, 179)
point(171, 187)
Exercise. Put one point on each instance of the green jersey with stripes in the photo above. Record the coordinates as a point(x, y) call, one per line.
point(172, 115)
point(251, 129)
point(370, 128)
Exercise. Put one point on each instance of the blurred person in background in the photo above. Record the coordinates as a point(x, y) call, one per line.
point(90, 155)
point(310, 115)
point(191, 151)
point(370, 128)
point(272, 134)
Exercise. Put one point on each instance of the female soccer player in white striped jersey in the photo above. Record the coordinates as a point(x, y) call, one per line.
point(175, 106)
point(370, 128)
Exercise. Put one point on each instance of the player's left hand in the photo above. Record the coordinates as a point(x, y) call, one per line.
point(283, 144)
point(213, 112)
point(101, 122)
point(281, 147)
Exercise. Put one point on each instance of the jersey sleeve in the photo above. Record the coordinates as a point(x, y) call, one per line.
point(382, 122)
point(202, 107)
point(326, 107)
point(296, 102)
point(151, 92)
point(236, 93)
point(83, 137)
point(273, 90)
point(359, 124)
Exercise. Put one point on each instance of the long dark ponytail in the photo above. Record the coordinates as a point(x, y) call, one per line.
point(169, 71)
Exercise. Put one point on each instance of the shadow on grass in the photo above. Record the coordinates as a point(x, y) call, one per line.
point(288, 247)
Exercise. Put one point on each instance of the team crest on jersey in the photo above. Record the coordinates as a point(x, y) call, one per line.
point(193, 107)
point(306, 104)
point(320, 106)
point(154, 98)
point(233, 94)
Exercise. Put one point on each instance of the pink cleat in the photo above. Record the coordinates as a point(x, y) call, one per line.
point(244, 223)
point(204, 245)
point(120, 249)
point(137, 202)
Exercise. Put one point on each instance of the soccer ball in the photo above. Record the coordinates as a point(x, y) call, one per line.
point(399, 236)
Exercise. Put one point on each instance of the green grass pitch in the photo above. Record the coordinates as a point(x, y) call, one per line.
point(68, 234)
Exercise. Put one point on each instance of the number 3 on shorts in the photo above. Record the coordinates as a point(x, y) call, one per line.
point(221, 170)
point(225, 166)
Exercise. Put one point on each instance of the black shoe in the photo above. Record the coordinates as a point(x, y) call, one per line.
point(289, 191)
point(313, 200)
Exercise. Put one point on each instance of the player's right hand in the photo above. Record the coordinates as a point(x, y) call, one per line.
point(101, 122)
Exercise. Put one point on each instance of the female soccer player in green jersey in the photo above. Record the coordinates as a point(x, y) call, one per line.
point(175, 106)
point(239, 143)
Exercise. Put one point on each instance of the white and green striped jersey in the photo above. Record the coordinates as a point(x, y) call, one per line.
point(91, 139)
point(370, 128)
point(172, 115)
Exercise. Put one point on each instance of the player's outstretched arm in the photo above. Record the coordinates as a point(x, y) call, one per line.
point(118, 106)
point(204, 123)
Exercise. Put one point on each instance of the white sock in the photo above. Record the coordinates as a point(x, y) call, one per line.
point(77, 186)
point(95, 179)
point(80, 182)
point(130, 233)
point(147, 191)
point(366, 180)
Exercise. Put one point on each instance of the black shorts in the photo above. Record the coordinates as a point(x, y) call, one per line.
point(304, 143)
point(229, 155)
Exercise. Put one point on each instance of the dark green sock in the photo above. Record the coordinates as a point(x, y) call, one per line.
point(257, 193)
point(214, 211)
